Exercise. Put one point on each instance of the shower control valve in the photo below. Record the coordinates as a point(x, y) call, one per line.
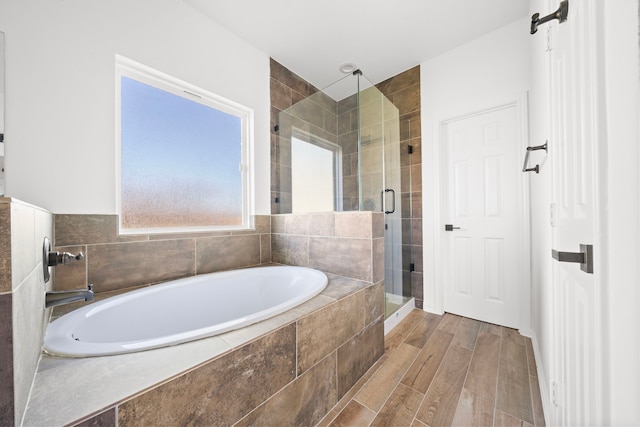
point(56, 258)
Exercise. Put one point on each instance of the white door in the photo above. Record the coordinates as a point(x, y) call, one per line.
point(575, 128)
point(482, 253)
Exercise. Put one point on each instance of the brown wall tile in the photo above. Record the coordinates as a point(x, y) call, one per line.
point(5, 248)
point(354, 224)
point(359, 354)
point(227, 252)
point(290, 250)
point(407, 100)
point(222, 391)
point(134, 260)
point(317, 332)
point(303, 403)
point(377, 260)
point(284, 75)
point(105, 419)
point(87, 229)
point(374, 302)
point(6, 361)
point(265, 248)
point(123, 265)
point(346, 257)
point(322, 224)
point(340, 286)
point(296, 224)
point(280, 95)
point(72, 275)
point(278, 224)
point(262, 223)
point(401, 81)
point(378, 224)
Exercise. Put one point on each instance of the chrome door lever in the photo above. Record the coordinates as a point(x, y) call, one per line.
point(450, 227)
point(584, 257)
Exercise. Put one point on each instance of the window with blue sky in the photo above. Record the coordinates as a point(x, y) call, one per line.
point(181, 159)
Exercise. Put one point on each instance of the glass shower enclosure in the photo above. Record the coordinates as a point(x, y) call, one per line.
point(339, 150)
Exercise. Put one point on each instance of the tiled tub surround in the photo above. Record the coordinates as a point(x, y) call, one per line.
point(287, 370)
point(316, 351)
point(115, 261)
point(22, 316)
point(350, 244)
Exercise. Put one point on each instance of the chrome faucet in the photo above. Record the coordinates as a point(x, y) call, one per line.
point(54, 298)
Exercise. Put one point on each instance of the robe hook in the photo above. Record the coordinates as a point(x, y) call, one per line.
point(560, 14)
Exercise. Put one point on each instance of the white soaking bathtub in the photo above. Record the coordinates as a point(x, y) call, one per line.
point(181, 310)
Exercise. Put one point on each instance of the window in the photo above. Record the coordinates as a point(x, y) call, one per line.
point(184, 155)
point(316, 174)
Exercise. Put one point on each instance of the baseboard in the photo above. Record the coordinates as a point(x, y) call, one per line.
point(547, 405)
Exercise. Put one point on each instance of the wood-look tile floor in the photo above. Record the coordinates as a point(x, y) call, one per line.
point(442, 371)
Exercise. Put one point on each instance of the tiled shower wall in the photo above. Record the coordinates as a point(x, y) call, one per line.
point(315, 117)
point(349, 244)
point(404, 92)
point(22, 289)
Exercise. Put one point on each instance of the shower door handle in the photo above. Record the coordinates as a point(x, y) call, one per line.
point(382, 200)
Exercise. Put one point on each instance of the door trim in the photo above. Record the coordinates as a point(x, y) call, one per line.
point(433, 283)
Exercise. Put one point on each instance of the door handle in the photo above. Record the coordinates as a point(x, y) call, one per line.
point(450, 227)
point(393, 199)
point(584, 257)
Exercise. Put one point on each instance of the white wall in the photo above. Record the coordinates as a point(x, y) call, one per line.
point(540, 190)
point(60, 142)
point(488, 72)
point(622, 229)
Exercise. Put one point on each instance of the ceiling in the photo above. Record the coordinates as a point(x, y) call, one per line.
point(313, 38)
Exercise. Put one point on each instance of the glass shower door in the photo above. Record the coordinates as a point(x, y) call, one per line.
point(355, 129)
point(380, 178)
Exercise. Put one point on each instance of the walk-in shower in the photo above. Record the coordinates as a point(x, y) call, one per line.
point(339, 150)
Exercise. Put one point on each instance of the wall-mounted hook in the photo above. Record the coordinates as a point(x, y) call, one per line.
point(560, 14)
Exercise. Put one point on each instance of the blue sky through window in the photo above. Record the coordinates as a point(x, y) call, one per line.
point(180, 160)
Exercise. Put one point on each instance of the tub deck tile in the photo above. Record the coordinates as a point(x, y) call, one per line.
point(104, 381)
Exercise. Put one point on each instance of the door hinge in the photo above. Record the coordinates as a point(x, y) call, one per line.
point(555, 399)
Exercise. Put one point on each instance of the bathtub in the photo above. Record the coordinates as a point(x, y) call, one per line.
point(181, 310)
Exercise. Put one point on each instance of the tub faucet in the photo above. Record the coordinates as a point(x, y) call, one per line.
point(54, 298)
